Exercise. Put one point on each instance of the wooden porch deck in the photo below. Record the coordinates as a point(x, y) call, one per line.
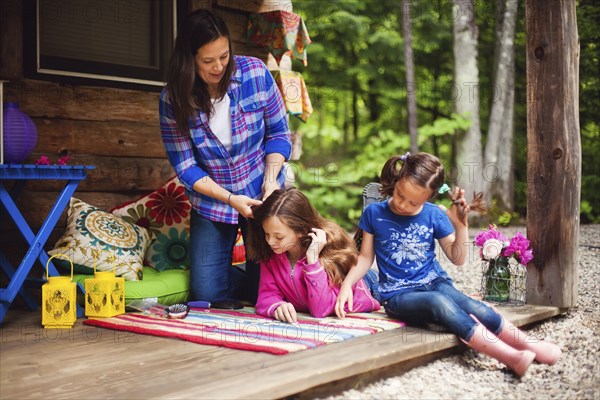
point(90, 362)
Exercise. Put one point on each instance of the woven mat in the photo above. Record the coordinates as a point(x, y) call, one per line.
point(245, 330)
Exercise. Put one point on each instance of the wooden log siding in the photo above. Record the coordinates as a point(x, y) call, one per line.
point(117, 130)
point(554, 151)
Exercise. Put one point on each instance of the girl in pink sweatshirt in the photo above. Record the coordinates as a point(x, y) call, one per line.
point(304, 259)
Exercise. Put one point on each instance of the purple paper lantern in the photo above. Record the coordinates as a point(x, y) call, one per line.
point(20, 134)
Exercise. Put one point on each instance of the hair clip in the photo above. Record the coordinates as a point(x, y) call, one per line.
point(445, 188)
point(404, 157)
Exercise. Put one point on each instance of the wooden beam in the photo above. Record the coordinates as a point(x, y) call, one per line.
point(256, 6)
point(554, 151)
point(101, 138)
point(11, 39)
point(35, 207)
point(181, 369)
point(88, 103)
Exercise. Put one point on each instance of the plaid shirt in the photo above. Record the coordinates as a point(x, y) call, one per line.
point(259, 126)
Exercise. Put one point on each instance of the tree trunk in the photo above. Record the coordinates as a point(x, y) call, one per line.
point(469, 160)
point(411, 87)
point(345, 115)
point(554, 151)
point(374, 111)
point(498, 171)
point(355, 108)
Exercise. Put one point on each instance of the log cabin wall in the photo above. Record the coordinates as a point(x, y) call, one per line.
point(116, 130)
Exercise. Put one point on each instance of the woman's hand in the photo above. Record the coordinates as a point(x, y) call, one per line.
point(345, 296)
point(243, 204)
point(319, 240)
point(286, 313)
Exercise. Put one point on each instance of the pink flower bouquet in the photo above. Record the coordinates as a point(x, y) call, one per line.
point(494, 244)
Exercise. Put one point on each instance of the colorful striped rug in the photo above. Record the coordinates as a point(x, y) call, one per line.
point(245, 330)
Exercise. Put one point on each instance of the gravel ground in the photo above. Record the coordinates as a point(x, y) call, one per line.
point(474, 376)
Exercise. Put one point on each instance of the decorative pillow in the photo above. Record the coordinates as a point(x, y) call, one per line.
point(166, 214)
point(97, 237)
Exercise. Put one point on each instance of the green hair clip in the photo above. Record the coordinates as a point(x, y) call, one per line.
point(445, 188)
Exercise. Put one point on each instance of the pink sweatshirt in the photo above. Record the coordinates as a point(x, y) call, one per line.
point(306, 286)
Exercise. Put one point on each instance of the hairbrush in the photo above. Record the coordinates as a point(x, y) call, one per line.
point(177, 311)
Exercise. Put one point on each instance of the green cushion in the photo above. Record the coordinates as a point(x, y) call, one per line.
point(167, 287)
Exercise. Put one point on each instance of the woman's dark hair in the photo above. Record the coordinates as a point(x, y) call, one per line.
point(187, 91)
point(293, 208)
point(424, 169)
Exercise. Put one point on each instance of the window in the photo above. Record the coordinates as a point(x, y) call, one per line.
point(122, 43)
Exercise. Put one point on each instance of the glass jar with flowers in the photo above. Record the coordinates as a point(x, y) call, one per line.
point(504, 273)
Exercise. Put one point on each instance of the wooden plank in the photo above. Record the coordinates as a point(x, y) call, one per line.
point(251, 50)
point(112, 362)
point(236, 22)
point(553, 151)
point(106, 138)
point(113, 174)
point(334, 362)
point(256, 6)
point(53, 100)
point(35, 206)
point(109, 364)
point(11, 39)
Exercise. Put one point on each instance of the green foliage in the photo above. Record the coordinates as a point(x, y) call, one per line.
point(356, 77)
point(443, 127)
point(504, 219)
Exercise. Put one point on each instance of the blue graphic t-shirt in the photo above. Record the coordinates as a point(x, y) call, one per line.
point(405, 246)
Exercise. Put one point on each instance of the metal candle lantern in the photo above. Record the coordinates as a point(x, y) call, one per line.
point(59, 297)
point(20, 134)
point(104, 294)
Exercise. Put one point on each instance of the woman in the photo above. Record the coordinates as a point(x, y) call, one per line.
point(225, 130)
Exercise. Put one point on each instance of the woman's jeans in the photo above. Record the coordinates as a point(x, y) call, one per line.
point(211, 252)
point(440, 302)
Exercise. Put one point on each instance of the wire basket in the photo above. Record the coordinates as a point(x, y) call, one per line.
point(504, 281)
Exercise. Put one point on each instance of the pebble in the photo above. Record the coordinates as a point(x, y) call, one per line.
point(474, 376)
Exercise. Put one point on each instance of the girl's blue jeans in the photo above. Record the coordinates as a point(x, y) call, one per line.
point(212, 277)
point(440, 302)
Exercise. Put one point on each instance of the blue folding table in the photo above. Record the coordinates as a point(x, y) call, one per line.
point(20, 174)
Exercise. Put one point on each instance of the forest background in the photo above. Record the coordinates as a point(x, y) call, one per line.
point(357, 81)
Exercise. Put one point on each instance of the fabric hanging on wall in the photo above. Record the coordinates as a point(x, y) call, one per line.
point(280, 31)
point(294, 93)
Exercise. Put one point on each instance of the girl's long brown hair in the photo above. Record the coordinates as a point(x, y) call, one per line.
point(293, 208)
point(187, 91)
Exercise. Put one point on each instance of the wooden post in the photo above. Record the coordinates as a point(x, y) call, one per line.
point(554, 151)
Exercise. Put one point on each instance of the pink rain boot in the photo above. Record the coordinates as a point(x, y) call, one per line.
point(545, 352)
point(487, 343)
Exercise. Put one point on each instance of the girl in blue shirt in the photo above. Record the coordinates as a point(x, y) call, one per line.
point(225, 130)
point(400, 233)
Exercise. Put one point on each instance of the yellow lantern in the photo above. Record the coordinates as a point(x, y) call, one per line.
point(104, 294)
point(59, 299)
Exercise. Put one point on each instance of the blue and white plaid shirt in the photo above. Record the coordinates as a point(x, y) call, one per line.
point(259, 126)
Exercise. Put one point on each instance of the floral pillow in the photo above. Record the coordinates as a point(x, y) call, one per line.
point(166, 214)
point(97, 238)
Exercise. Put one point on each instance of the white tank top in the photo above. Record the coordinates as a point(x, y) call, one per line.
point(220, 121)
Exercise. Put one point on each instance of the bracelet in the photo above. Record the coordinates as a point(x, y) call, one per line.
point(229, 199)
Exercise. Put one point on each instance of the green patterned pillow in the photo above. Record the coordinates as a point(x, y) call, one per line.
point(96, 236)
